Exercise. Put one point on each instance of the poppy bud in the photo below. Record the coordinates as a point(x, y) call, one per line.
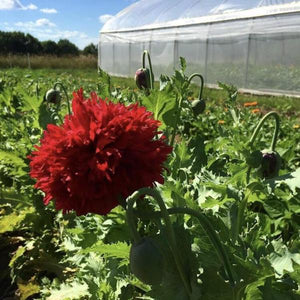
point(146, 261)
point(142, 78)
point(52, 96)
point(198, 107)
point(270, 164)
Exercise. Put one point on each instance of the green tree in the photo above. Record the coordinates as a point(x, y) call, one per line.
point(18, 43)
point(32, 45)
point(90, 49)
point(50, 48)
point(65, 47)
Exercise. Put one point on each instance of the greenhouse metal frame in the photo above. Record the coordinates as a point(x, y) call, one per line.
point(251, 44)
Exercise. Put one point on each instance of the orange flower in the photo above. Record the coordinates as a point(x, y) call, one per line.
point(296, 126)
point(221, 122)
point(255, 110)
point(247, 104)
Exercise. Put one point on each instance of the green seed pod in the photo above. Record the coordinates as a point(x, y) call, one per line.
point(142, 78)
point(52, 96)
point(270, 164)
point(146, 261)
point(198, 107)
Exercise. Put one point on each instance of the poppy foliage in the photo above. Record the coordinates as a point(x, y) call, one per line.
point(102, 152)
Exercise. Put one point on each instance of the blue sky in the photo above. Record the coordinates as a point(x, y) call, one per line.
point(76, 20)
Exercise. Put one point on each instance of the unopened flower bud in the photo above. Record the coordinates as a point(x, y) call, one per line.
point(142, 78)
point(52, 96)
point(270, 164)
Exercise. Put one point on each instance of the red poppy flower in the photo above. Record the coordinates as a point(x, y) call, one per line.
point(101, 152)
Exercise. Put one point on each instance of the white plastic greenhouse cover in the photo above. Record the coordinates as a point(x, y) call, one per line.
point(251, 43)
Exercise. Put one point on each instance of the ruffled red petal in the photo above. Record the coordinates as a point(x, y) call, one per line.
point(102, 151)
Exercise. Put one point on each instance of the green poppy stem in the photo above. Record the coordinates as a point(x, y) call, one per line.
point(260, 124)
point(66, 94)
point(240, 216)
point(170, 233)
point(177, 116)
point(37, 89)
point(210, 231)
point(146, 53)
point(202, 83)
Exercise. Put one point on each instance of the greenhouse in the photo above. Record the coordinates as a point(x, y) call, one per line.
point(252, 44)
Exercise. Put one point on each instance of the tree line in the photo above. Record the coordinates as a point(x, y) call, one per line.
point(19, 43)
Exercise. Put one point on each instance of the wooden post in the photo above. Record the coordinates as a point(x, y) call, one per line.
point(28, 60)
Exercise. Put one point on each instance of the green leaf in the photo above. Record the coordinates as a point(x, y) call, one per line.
point(10, 157)
point(27, 290)
point(117, 250)
point(20, 251)
point(159, 103)
point(12, 221)
point(163, 82)
point(292, 180)
point(30, 103)
point(182, 63)
point(75, 290)
point(182, 157)
point(282, 259)
point(199, 156)
point(270, 292)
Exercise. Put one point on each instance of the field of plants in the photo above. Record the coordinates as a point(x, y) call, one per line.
point(157, 192)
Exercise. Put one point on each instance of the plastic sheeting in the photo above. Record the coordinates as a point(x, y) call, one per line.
point(251, 44)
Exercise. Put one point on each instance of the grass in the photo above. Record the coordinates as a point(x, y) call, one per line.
point(48, 62)
point(282, 104)
point(290, 105)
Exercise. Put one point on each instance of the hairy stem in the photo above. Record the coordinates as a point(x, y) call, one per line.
point(260, 124)
point(202, 83)
point(150, 67)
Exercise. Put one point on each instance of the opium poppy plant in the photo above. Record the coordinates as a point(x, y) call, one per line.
point(102, 152)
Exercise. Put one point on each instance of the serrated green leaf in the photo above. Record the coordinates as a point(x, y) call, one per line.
point(27, 290)
point(74, 290)
point(117, 250)
point(30, 103)
point(12, 221)
point(20, 251)
point(283, 261)
point(159, 103)
point(291, 179)
point(10, 157)
point(182, 63)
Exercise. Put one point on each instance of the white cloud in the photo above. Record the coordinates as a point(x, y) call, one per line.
point(30, 7)
point(104, 18)
point(49, 10)
point(9, 4)
point(44, 22)
point(15, 4)
point(38, 23)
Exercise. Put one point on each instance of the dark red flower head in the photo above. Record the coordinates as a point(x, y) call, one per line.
point(101, 152)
